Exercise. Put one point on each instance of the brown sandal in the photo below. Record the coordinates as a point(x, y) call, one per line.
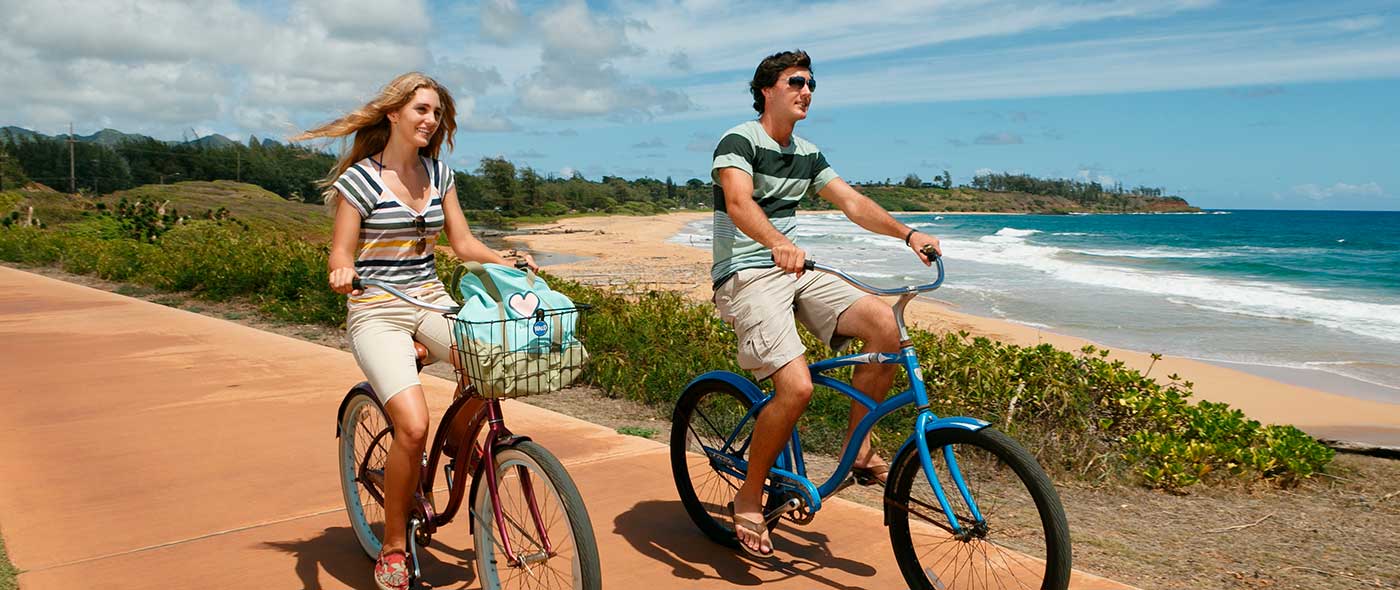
point(872, 474)
point(757, 527)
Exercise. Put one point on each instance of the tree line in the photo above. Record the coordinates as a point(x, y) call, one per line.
point(293, 172)
point(288, 170)
point(1085, 193)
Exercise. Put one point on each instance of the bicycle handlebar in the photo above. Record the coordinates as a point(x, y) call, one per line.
point(359, 284)
point(811, 264)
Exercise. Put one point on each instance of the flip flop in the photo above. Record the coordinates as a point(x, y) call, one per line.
point(871, 475)
point(757, 527)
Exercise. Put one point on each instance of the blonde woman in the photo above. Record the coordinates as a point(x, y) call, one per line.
point(391, 196)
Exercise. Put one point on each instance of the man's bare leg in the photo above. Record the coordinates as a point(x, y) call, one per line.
point(872, 321)
point(793, 390)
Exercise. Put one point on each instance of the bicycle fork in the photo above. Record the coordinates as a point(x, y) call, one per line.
point(498, 433)
point(935, 482)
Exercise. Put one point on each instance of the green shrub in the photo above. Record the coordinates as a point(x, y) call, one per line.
point(1079, 413)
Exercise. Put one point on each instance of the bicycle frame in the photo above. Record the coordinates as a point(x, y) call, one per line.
point(789, 472)
point(476, 458)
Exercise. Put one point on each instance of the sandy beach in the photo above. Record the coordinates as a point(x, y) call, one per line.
point(620, 250)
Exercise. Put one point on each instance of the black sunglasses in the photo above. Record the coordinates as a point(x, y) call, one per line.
point(796, 82)
point(420, 223)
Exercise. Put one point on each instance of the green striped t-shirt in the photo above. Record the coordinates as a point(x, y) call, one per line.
point(781, 177)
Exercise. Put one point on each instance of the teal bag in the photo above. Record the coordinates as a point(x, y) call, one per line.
point(515, 335)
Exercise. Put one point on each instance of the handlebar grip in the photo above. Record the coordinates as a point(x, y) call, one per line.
point(356, 284)
point(809, 264)
point(521, 264)
point(930, 251)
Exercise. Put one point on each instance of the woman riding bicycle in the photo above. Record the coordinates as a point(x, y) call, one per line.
point(391, 196)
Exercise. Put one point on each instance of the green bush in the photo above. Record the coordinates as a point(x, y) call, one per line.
point(1079, 413)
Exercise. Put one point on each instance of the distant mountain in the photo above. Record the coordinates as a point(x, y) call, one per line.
point(109, 137)
point(213, 141)
point(18, 132)
point(253, 140)
point(113, 138)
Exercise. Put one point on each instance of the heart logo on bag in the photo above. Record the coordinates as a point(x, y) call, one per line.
point(524, 305)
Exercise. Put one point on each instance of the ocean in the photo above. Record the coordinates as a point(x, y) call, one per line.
point(1308, 297)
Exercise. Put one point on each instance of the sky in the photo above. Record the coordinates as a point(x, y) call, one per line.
point(1251, 104)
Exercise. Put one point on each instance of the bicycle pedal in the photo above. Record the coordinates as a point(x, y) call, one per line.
point(789, 506)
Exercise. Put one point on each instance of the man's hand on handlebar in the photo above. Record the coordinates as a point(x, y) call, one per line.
point(790, 258)
point(925, 246)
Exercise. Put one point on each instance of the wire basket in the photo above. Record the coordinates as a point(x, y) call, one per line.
point(516, 357)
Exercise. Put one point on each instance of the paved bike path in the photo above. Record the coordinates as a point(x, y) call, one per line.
point(143, 446)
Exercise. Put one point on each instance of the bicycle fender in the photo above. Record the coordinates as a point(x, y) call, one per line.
point(361, 387)
point(739, 382)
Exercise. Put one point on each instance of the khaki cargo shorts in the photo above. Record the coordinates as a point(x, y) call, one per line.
point(758, 303)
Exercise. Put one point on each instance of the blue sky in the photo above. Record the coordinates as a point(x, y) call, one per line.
point(1229, 104)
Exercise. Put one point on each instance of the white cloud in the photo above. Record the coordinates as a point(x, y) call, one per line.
point(577, 76)
point(460, 77)
point(368, 19)
point(1266, 50)
point(1358, 24)
point(501, 20)
point(161, 66)
point(1003, 138)
point(1340, 189)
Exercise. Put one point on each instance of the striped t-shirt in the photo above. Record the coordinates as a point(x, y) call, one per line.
point(391, 233)
point(781, 177)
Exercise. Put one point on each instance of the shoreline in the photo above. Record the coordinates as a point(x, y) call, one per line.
point(622, 249)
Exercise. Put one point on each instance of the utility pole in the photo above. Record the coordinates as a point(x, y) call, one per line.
point(72, 178)
point(239, 154)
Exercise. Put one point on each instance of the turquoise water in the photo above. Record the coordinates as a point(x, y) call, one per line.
point(1308, 296)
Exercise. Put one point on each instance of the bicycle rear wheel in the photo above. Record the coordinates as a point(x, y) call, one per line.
point(535, 491)
point(1022, 539)
point(365, 437)
point(706, 415)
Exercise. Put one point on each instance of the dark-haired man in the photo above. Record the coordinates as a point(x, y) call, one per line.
point(761, 172)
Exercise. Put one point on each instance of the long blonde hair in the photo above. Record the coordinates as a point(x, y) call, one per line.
point(370, 125)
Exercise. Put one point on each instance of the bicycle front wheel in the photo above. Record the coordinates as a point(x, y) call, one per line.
point(708, 414)
point(365, 437)
point(1021, 539)
point(551, 543)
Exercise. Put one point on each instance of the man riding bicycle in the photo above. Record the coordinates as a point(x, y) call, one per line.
point(761, 172)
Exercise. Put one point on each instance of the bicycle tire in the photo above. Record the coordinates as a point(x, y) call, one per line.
point(365, 436)
point(1022, 516)
point(704, 491)
point(560, 500)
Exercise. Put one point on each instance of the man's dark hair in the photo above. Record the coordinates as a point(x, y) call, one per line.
point(767, 73)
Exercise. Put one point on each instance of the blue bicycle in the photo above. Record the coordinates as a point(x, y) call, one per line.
point(966, 506)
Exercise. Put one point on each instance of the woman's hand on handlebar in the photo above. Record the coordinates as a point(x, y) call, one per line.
point(522, 258)
point(925, 246)
point(341, 281)
point(790, 258)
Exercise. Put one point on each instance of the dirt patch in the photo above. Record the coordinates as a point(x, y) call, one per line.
point(1336, 531)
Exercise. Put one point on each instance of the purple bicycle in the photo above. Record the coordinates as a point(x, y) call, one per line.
point(528, 521)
